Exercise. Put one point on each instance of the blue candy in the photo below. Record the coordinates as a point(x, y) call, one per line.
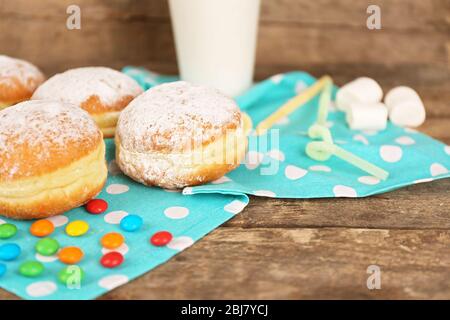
point(2, 269)
point(9, 251)
point(131, 223)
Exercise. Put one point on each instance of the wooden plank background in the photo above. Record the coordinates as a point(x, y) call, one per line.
point(318, 36)
point(321, 36)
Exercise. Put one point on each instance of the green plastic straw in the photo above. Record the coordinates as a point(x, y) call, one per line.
point(324, 103)
point(360, 163)
point(323, 150)
point(317, 131)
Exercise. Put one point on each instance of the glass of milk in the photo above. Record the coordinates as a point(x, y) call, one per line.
point(216, 41)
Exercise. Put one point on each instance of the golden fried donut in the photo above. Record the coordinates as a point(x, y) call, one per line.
point(178, 134)
point(18, 80)
point(103, 92)
point(52, 159)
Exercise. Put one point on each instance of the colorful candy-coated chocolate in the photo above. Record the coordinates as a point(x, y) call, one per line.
point(7, 230)
point(112, 240)
point(70, 255)
point(96, 206)
point(2, 269)
point(77, 228)
point(111, 259)
point(31, 268)
point(9, 251)
point(47, 246)
point(42, 228)
point(131, 223)
point(71, 275)
point(161, 238)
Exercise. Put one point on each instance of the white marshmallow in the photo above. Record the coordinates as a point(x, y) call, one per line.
point(405, 107)
point(364, 90)
point(367, 116)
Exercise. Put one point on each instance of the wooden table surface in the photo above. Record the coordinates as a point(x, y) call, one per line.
point(318, 248)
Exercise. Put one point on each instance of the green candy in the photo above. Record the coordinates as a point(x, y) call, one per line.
point(7, 230)
point(31, 269)
point(47, 246)
point(71, 275)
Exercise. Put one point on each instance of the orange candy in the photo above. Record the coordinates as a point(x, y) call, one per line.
point(70, 255)
point(112, 240)
point(42, 228)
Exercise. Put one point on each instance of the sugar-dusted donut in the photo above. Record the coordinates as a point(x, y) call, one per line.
point(52, 159)
point(178, 134)
point(103, 92)
point(18, 80)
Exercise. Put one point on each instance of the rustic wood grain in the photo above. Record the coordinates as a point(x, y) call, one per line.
point(400, 209)
point(302, 264)
point(438, 128)
point(280, 46)
point(398, 14)
point(395, 15)
point(325, 35)
point(43, 41)
point(55, 49)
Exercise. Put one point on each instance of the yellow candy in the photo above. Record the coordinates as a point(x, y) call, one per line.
point(77, 228)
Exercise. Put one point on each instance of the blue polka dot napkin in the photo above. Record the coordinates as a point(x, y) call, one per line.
point(277, 165)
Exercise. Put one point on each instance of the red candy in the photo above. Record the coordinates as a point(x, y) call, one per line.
point(161, 238)
point(96, 206)
point(111, 259)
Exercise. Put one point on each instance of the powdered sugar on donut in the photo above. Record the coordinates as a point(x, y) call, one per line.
point(51, 127)
point(77, 85)
point(174, 115)
point(23, 71)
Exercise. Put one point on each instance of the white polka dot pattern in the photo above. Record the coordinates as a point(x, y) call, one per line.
point(277, 78)
point(405, 140)
point(447, 150)
point(115, 217)
point(369, 180)
point(180, 243)
point(344, 191)
point(58, 221)
point(123, 249)
point(276, 154)
point(436, 169)
point(320, 168)
point(361, 138)
point(113, 281)
point(41, 289)
point(176, 212)
point(45, 259)
point(294, 173)
point(117, 188)
point(391, 153)
point(235, 206)
point(265, 193)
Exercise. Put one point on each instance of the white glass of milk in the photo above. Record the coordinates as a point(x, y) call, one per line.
point(216, 41)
